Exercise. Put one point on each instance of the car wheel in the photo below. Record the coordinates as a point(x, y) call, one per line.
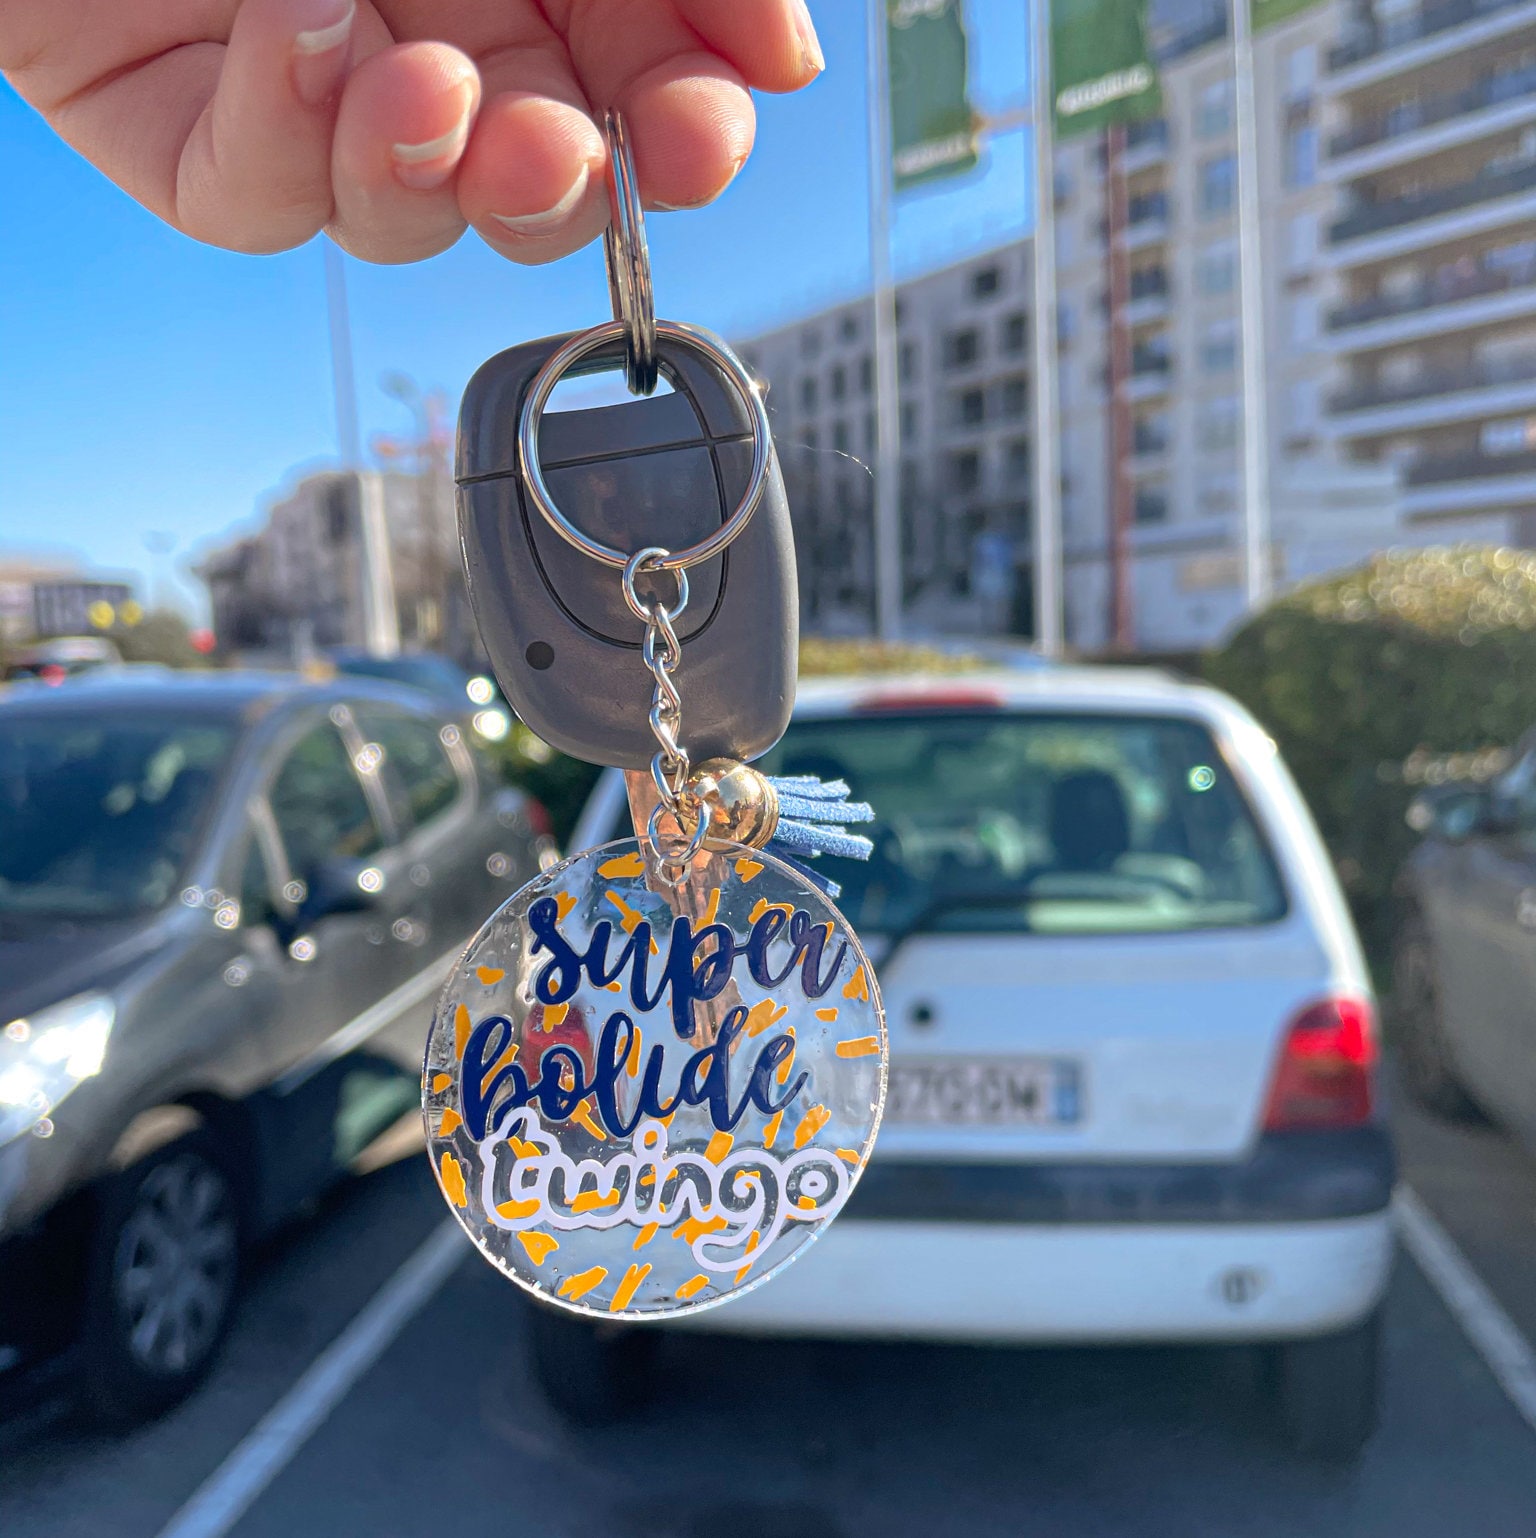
point(1419, 1026)
point(591, 1373)
point(1328, 1390)
point(161, 1282)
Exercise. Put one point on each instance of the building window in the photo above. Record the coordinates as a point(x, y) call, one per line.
point(1213, 111)
point(965, 471)
point(1303, 408)
point(1066, 323)
point(1301, 155)
point(985, 282)
point(1218, 347)
point(1300, 72)
point(866, 374)
point(1015, 334)
point(1216, 494)
point(810, 342)
point(1218, 424)
point(971, 407)
point(908, 420)
point(1301, 241)
point(848, 328)
point(869, 432)
point(962, 348)
point(840, 440)
point(908, 361)
point(1151, 504)
point(1018, 459)
point(1216, 268)
point(839, 382)
point(1015, 397)
point(808, 393)
point(1218, 184)
point(1301, 319)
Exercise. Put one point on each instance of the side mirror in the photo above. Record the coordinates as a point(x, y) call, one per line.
point(339, 886)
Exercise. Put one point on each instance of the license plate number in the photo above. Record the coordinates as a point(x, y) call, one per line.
point(1014, 1091)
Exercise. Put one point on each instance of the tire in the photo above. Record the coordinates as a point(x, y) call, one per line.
point(1418, 1026)
point(1328, 1391)
point(591, 1373)
point(161, 1279)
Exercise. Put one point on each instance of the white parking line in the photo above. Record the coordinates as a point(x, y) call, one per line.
point(1493, 1334)
point(223, 1498)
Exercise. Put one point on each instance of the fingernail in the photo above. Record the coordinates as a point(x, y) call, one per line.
point(422, 167)
point(707, 199)
point(810, 44)
point(545, 221)
point(320, 53)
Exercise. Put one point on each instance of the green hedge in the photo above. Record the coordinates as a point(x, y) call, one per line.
point(1420, 652)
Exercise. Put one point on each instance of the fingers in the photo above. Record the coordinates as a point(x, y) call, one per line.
point(772, 43)
point(255, 171)
point(401, 133)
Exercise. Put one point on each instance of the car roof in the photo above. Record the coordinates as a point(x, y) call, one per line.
point(1068, 687)
point(228, 693)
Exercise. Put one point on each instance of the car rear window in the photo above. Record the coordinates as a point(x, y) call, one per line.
point(1067, 824)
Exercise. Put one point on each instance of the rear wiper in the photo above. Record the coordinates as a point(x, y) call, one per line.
point(927, 918)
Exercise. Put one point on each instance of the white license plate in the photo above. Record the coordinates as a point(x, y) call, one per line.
point(988, 1091)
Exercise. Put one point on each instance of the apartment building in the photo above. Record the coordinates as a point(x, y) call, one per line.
point(1431, 153)
point(964, 352)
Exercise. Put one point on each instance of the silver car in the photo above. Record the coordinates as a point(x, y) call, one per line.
point(226, 904)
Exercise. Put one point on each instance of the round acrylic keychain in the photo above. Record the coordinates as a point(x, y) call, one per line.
point(658, 1070)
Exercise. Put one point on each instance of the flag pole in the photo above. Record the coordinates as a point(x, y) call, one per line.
point(887, 487)
point(1257, 572)
point(1046, 506)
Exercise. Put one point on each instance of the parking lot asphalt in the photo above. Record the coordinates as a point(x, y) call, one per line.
point(443, 1431)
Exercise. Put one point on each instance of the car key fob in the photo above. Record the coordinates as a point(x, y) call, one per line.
point(665, 471)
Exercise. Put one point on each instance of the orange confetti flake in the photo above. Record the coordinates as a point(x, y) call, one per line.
point(719, 1146)
point(615, 986)
point(622, 865)
point(462, 1026)
point(590, 1201)
point(578, 1286)
point(789, 1062)
point(489, 976)
point(771, 1130)
point(627, 1288)
point(523, 1150)
point(646, 1234)
point(451, 1119)
point(629, 917)
point(857, 986)
point(553, 1015)
point(632, 1062)
point(711, 908)
point(564, 902)
point(647, 1179)
point(539, 1246)
point(692, 1287)
point(848, 1155)
point(806, 1203)
point(810, 1124)
point(829, 1015)
point(860, 1046)
point(586, 1114)
point(763, 906)
point(747, 870)
point(515, 1209)
point(751, 1245)
point(762, 1015)
point(452, 1175)
point(691, 1230)
point(440, 1082)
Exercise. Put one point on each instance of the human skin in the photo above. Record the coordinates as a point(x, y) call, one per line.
point(394, 124)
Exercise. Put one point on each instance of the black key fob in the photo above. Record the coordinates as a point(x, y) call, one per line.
point(662, 471)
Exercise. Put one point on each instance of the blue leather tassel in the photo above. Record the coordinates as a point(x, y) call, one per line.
point(812, 818)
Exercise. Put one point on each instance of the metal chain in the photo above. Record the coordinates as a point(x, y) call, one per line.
point(670, 765)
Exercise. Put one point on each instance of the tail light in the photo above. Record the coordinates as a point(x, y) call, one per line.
point(1327, 1069)
point(538, 818)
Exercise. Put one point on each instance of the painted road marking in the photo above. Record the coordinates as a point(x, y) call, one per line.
point(1493, 1334)
point(224, 1497)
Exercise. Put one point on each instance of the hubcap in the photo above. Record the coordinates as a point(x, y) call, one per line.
point(174, 1266)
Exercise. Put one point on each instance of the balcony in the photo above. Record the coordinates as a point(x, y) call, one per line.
point(1473, 481)
point(1493, 197)
point(1378, 51)
point(1438, 397)
point(1429, 126)
point(1151, 375)
point(1146, 145)
point(1149, 449)
point(1452, 300)
point(1150, 297)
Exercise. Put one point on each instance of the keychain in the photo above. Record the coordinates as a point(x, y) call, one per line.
point(658, 1070)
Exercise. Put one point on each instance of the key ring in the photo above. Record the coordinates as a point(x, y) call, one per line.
point(599, 339)
point(627, 257)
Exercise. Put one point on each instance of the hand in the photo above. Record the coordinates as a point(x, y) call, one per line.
point(252, 124)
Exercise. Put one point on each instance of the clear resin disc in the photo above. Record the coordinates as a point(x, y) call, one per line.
point(642, 1100)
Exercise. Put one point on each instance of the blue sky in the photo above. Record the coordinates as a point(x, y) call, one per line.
point(148, 383)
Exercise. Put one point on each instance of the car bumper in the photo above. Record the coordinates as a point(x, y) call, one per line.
point(1072, 1282)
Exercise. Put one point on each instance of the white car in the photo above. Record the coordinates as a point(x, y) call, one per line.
point(1132, 1038)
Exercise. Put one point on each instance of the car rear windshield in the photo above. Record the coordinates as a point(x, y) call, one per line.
point(1068, 824)
point(99, 811)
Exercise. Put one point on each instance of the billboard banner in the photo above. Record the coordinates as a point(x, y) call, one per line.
point(1102, 70)
point(933, 128)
